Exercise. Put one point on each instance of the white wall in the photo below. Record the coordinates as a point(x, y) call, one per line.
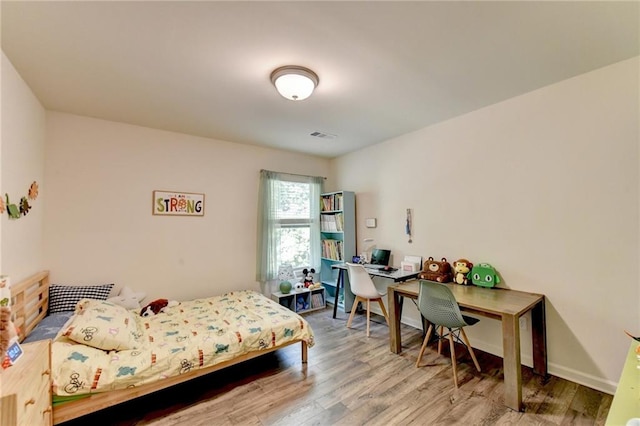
point(99, 223)
point(21, 163)
point(544, 187)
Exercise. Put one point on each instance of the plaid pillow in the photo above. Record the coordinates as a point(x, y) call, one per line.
point(63, 298)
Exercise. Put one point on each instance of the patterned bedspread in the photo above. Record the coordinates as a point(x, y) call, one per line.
point(192, 335)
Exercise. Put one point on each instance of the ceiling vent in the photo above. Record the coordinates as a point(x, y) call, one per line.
point(323, 135)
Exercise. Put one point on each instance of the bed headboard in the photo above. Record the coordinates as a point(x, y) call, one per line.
point(29, 302)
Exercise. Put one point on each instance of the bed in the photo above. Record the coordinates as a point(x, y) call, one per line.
point(102, 356)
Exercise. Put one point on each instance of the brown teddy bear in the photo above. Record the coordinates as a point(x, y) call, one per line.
point(436, 271)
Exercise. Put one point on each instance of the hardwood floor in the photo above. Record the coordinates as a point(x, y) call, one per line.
point(354, 380)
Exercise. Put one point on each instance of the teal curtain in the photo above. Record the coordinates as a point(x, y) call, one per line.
point(316, 248)
point(267, 268)
point(268, 222)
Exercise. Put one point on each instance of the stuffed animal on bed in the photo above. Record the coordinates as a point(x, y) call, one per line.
point(156, 307)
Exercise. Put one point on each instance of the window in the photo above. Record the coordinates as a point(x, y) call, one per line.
point(289, 210)
point(293, 235)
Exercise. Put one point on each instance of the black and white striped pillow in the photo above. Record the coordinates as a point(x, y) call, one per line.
point(63, 298)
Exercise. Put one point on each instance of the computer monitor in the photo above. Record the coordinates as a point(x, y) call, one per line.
point(380, 257)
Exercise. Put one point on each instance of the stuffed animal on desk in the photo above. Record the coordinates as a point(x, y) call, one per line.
point(461, 269)
point(484, 275)
point(436, 271)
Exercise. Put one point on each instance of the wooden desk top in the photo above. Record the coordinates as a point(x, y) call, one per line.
point(496, 301)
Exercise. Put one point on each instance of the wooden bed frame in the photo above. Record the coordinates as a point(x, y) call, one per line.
point(30, 300)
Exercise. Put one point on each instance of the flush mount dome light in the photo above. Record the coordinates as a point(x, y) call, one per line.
point(294, 82)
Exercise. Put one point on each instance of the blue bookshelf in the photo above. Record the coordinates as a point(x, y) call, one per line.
point(338, 239)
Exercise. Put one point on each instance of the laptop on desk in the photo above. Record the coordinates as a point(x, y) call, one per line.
point(379, 259)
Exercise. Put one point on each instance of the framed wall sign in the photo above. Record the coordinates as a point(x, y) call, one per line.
point(172, 203)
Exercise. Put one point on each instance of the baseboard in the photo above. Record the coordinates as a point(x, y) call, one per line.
point(597, 383)
point(593, 382)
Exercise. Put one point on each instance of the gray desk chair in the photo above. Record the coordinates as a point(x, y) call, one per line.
point(438, 305)
point(365, 291)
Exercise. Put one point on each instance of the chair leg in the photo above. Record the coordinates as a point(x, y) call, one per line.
point(424, 345)
point(384, 311)
point(473, 355)
point(440, 340)
point(353, 311)
point(453, 359)
point(368, 315)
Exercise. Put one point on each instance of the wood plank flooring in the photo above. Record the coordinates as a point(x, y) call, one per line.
point(354, 380)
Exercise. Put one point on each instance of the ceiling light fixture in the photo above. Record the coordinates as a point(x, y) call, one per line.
point(294, 82)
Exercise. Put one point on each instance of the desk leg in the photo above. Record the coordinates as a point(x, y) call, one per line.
point(511, 362)
point(339, 282)
point(395, 314)
point(539, 338)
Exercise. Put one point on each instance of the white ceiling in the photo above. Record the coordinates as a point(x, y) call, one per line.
point(385, 68)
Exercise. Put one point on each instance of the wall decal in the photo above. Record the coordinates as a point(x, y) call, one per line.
point(33, 191)
point(171, 203)
point(15, 211)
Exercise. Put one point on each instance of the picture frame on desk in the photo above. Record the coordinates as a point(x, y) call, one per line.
point(409, 266)
point(411, 263)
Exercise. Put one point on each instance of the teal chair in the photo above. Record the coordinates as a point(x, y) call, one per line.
point(438, 306)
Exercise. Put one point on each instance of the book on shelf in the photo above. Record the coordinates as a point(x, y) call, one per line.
point(332, 222)
point(317, 300)
point(332, 249)
point(332, 202)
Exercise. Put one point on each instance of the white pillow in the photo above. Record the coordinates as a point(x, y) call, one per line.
point(128, 298)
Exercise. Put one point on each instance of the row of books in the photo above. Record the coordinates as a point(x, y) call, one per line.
point(317, 300)
point(332, 249)
point(331, 202)
point(331, 222)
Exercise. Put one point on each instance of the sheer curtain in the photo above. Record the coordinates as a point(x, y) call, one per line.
point(269, 221)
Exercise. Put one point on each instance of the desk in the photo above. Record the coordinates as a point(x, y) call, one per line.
point(501, 304)
point(397, 276)
point(625, 402)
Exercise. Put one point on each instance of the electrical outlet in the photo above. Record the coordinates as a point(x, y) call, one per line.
point(523, 323)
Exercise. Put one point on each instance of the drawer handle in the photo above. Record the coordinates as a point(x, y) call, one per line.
point(46, 372)
point(47, 411)
point(29, 402)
